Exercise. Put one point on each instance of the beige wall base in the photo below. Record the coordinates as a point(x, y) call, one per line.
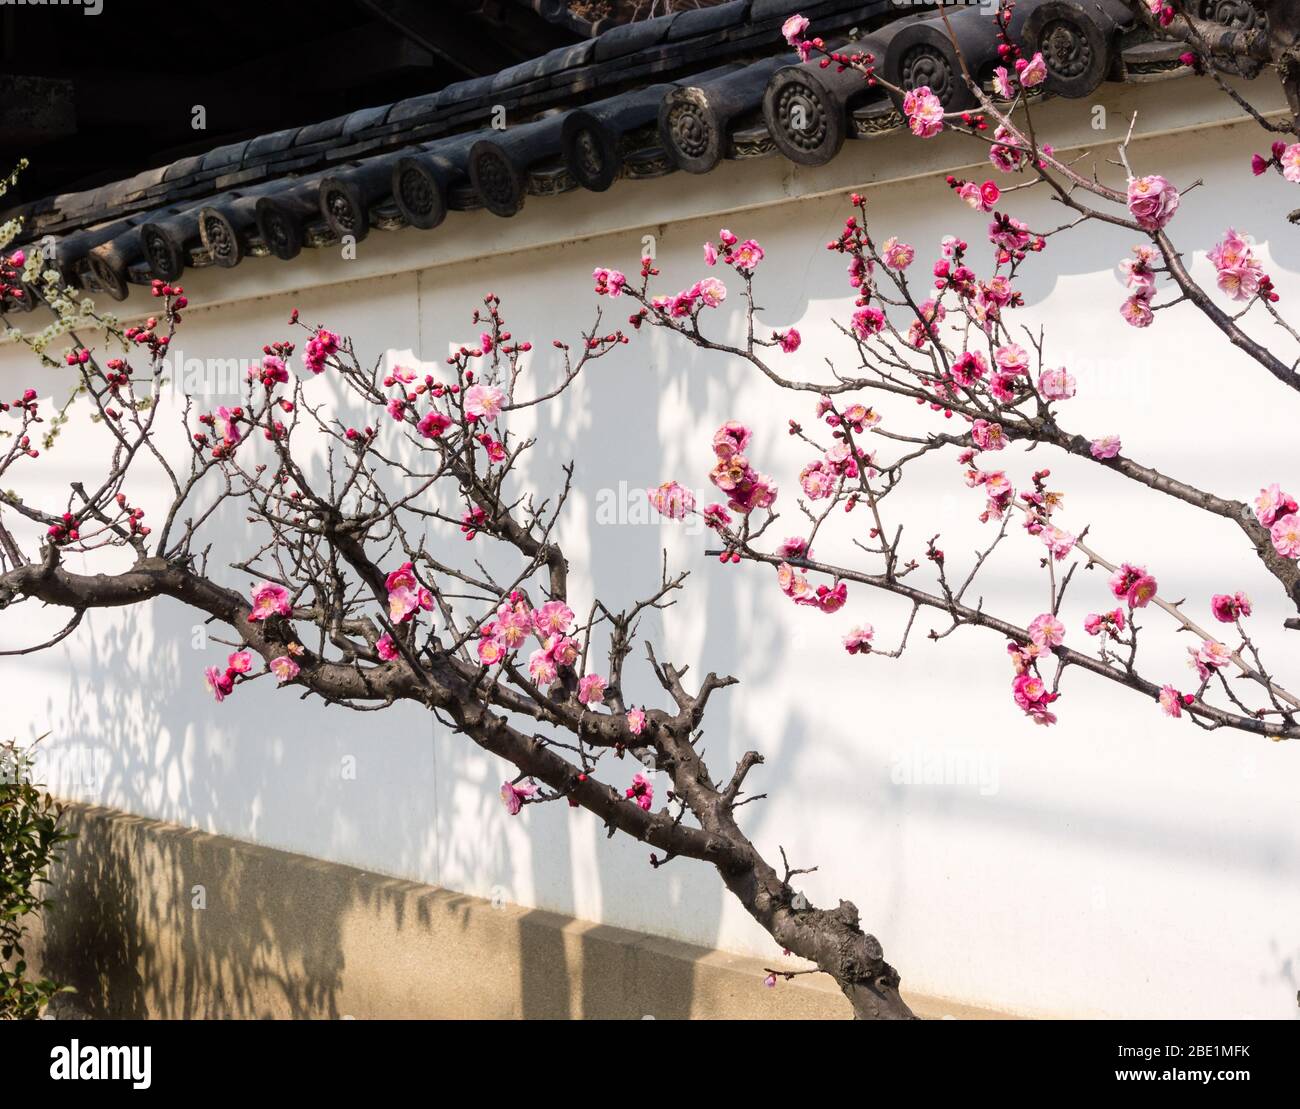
point(283, 935)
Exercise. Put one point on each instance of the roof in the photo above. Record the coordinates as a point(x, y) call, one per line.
point(679, 92)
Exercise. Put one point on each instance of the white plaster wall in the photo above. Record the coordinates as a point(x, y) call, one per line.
point(1118, 864)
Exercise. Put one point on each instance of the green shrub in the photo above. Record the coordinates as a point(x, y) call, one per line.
point(29, 834)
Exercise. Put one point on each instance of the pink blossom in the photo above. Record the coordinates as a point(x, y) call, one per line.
point(843, 460)
point(1138, 273)
point(1171, 701)
point(269, 600)
point(636, 721)
point(789, 340)
point(591, 689)
point(1241, 282)
point(818, 480)
point(1286, 535)
point(859, 417)
point(1238, 271)
point(490, 650)
point(219, 684)
point(608, 282)
point(1152, 201)
point(1095, 623)
point(1009, 233)
point(860, 268)
point(858, 641)
point(386, 648)
point(712, 291)
point(983, 198)
point(552, 618)
point(1012, 359)
point(484, 401)
point(1058, 542)
point(433, 423)
point(542, 667)
point(968, 368)
point(1136, 310)
point(1056, 384)
point(228, 426)
point(988, 436)
point(710, 254)
point(931, 313)
point(924, 112)
point(745, 487)
point(1005, 153)
point(284, 669)
point(995, 293)
point(793, 29)
point(1290, 160)
point(1229, 607)
point(1032, 695)
point(406, 595)
point(273, 370)
point(319, 348)
point(716, 516)
point(1272, 503)
point(672, 500)
point(1047, 631)
point(794, 583)
point(562, 650)
point(868, 322)
point(730, 439)
point(996, 488)
point(514, 624)
point(1032, 72)
point(746, 256)
point(1133, 584)
point(1002, 83)
point(1211, 654)
point(241, 662)
point(1143, 589)
point(1108, 446)
point(831, 599)
point(794, 547)
point(897, 255)
point(641, 791)
point(514, 795)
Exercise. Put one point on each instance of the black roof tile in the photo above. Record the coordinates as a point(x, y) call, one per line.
point(642, 99)
point(265, 146)
point(320, 132)
point(364, 118)
point(225, 156)
point(185, 167)
point(566, 57)
point(631, 37)
point(701, 21)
